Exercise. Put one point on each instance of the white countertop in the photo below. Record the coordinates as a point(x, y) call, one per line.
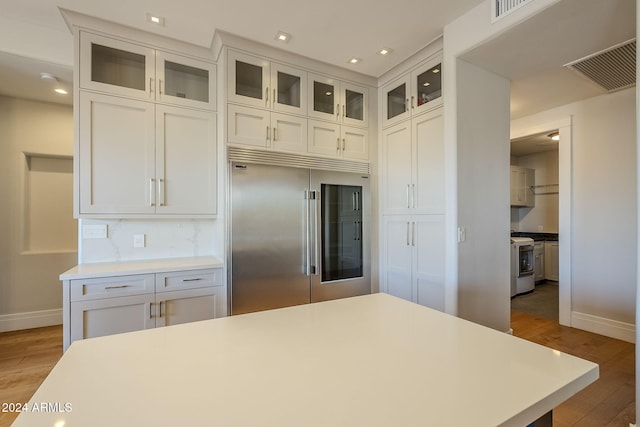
point(373, 360)
point(101, 269)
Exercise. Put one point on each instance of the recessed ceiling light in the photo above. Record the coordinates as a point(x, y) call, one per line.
point(385, 51)
point(48, 76)
point(554, 136)
point(354, 60)
point(283, 37)
point(61, 91)
point(155, 19)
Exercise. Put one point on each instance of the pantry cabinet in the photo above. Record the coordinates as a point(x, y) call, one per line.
point(412, 93)
point(160, 151)
point(413, 165)
point(261, 83)
point(413, 259)
point(109, 302)
point(133, 70)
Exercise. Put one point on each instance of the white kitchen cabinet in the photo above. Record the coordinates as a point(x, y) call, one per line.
point(412, 165)
point(264, 129)
point(258, 82)
point(551, 261)
point(332, 139)
point(162, 154)
point(111, 304)
point(338, 101)
point(413, 259)
point(413, 93)
point(134, 70)
point(522, 181)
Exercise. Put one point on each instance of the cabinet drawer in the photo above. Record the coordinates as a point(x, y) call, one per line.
point(109, 287)
point(188, 279)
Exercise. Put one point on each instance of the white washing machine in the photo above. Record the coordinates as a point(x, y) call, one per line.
point(522, 263)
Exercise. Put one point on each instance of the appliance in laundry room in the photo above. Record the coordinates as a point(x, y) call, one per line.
point(522, 265)
point(298, 235)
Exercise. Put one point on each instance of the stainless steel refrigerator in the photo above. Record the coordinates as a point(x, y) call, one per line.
point(297, 236)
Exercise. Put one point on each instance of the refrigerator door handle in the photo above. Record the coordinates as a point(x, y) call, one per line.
point(312, 232)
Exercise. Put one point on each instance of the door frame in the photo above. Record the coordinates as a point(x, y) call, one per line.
point(565, 207)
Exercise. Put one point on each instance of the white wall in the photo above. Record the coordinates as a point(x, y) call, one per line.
point(543, 217)
point(30, 292)
point(604, 210)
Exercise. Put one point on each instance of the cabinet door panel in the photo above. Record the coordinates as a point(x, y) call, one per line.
point(324, 138)
point(426, 84)
point(395, 101)
point(185, 161)
point(289, 89)
point(324, 98)
point(355, 143)
point(193, 305)
point(428, 176)
point(396, 168)
point(248, 126)
point(117, 152)
point(96, 318)
point(355, 105)
point(248, 80)
point(396, 257)
point(429, 260)
point(116, 67)
point(185, 81)
point(288, 133)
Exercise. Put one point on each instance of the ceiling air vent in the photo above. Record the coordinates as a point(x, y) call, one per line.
point(612, 69)
point(501, 8)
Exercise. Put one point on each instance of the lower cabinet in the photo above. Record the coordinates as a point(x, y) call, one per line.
point(109, 305)
point(538, 261)
point(413, 261)
point(551, 261)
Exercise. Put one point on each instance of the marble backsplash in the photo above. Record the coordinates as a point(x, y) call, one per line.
point(163, 238)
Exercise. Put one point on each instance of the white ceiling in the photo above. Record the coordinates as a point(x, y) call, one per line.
point(331, 31)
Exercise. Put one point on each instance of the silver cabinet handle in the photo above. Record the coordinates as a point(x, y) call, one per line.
point(116, 287)
point(412, 99)
point(193, 280)
point(160, 315)
point(274, 133)
point(413, 233)
point(152, 192)
point(408, 237)
point(161, 194)
point(150, 310)
point(338, 144)
point(337, 111)
point(343, 143)
point(413, 195)
point(152, 87)
point(274, 96)
point(406, 107)
point(268, 135)
point(343, 111)
point(160, 82)
point(408, 197)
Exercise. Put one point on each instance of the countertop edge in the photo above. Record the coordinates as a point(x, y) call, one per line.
point(121, 268)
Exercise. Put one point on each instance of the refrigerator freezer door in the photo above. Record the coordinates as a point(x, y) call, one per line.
point(268, 237)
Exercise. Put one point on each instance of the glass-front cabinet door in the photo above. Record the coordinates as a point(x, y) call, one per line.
point(248, 80)
point(395, 104)
point(289, 89)
point(427, 87)
point(324, 98)
point(185, 81)
point(355, 100)
point(116, 67)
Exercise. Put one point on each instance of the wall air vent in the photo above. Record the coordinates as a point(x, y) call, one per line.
point(613, 68)
point(500, 8)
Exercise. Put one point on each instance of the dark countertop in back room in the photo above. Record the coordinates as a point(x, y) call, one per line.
point(549, 237)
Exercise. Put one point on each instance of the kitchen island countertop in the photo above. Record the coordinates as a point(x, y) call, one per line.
point(372, 360)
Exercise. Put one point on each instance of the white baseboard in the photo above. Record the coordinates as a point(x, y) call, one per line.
point(603, 326)
point(33, 319)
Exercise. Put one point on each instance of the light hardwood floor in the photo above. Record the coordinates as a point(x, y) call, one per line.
point(26, 357)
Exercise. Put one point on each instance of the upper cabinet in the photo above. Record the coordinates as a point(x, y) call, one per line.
point(337, 101)
point(136, 71)
point(522, 181)
point(413, 93)
point(261, 83)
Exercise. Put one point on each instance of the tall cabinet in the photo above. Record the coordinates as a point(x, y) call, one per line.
point(412, 188)
point(149, 114)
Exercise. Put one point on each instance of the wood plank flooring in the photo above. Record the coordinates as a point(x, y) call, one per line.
point(608, 402)
point(26, 357)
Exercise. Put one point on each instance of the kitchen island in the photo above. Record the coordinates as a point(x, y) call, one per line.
point(373, 360)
